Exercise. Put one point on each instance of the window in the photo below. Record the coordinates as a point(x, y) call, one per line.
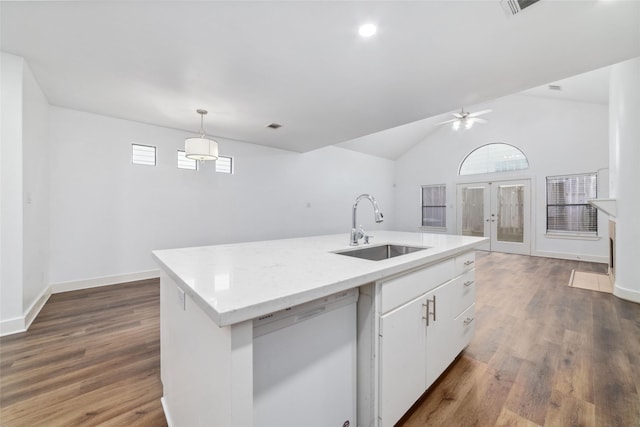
point(493, 158)
point(224, 164)
point(185, 163)
point(434, 206)
point(143, 155)
point(567, 208)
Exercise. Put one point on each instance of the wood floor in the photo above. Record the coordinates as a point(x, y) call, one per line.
point(91, 357)
point(543, 354)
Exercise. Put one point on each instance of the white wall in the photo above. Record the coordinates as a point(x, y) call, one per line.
point(35, 191)
point(558, 137)
point(24, 221)
point(11, 202)
point(107, 214)
point(625, 172)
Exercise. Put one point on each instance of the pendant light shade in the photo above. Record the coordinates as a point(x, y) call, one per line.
point(201, 147)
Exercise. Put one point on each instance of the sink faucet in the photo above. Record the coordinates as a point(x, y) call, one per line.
point(358, 233)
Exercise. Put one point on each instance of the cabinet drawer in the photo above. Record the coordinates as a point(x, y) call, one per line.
point(465, 291)
point(464, 328)
point(465, 262)
point(400, 290)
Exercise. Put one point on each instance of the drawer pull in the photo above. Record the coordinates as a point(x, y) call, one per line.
point(468, 283)
point(468, 321)
point(469, 262)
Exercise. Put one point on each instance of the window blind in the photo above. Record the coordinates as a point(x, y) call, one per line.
point(185, 163)
point(568, 209)
point(143, 155)
point(434, 206)
point(224, 164)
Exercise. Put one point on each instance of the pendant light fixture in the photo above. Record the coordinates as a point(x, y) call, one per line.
point(201, 147)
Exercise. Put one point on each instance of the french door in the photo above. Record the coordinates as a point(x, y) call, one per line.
point(499, 210)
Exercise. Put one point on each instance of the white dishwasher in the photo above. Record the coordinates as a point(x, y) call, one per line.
point(304, 364)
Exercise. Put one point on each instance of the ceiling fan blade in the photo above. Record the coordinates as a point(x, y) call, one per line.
point(477, 120)
point(447, 121)
point(479, 113)
point(459, 115)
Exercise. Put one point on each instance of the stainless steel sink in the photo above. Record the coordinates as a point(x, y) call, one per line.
point(380, 252)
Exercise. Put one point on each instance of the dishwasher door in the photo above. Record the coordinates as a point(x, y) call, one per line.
point(304, 364)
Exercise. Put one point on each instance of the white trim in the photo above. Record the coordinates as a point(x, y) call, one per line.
point(626, 294)
point(21, 324)
point(167, 415)
point(103, 281)
point(12, 326)
point(32, 312)
point(574, 257)
point(440, 230)
point(571, 236)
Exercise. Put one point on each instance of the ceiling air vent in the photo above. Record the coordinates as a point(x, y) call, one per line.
point(513, 7)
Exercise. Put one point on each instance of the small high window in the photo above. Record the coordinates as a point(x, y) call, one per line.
point(185, 163)
point(143, 155)
point(495, 157)
point(434, 206)
point(224, 164)
point(568, 209)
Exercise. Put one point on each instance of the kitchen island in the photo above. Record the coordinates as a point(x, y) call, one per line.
point(211, 295)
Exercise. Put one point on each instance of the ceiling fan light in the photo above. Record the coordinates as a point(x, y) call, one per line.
point(468, 124)
point(200, 148)
point(455, 125)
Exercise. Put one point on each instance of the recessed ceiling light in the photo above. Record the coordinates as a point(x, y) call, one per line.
point(367, 30)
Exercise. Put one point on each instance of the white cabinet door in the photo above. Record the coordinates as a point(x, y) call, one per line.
point(402, 360)
point(440, 351)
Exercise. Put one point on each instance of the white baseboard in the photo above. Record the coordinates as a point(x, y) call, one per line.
point(626, 294)
point(103, 281)
point(167, 416)
point(573, 257)
point(21, 324)
point(12, 326)
point(37, 305)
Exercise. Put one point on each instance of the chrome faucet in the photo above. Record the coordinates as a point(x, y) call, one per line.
point(357, 233)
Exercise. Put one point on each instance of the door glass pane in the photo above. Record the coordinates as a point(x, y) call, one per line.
point(473, 211)
point(510, 227)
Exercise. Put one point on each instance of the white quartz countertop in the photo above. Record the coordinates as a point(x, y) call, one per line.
point(237, 282)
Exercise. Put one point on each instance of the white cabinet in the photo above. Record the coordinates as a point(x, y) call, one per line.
point(402, 359)
point(426, 319)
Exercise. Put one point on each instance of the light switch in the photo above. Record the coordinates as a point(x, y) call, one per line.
point(182, 299)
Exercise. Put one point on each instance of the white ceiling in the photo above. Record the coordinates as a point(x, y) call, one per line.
point(302, 64)
point(592, 87)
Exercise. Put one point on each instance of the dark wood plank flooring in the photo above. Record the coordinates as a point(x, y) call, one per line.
point(91, 357)
point(544, 354)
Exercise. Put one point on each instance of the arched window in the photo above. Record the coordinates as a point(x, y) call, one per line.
point(495, 157)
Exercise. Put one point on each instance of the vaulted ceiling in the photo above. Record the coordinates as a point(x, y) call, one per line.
point(302, 64)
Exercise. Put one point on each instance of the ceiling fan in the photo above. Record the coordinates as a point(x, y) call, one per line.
point(466, 119)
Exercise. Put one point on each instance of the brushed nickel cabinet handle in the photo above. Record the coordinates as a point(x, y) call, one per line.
point(426, 316)
point(434, 308)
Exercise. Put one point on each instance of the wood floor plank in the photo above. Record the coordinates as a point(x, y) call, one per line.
point(564, 356)
point(543, 354)
point(568, 411)
point(92, 357)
